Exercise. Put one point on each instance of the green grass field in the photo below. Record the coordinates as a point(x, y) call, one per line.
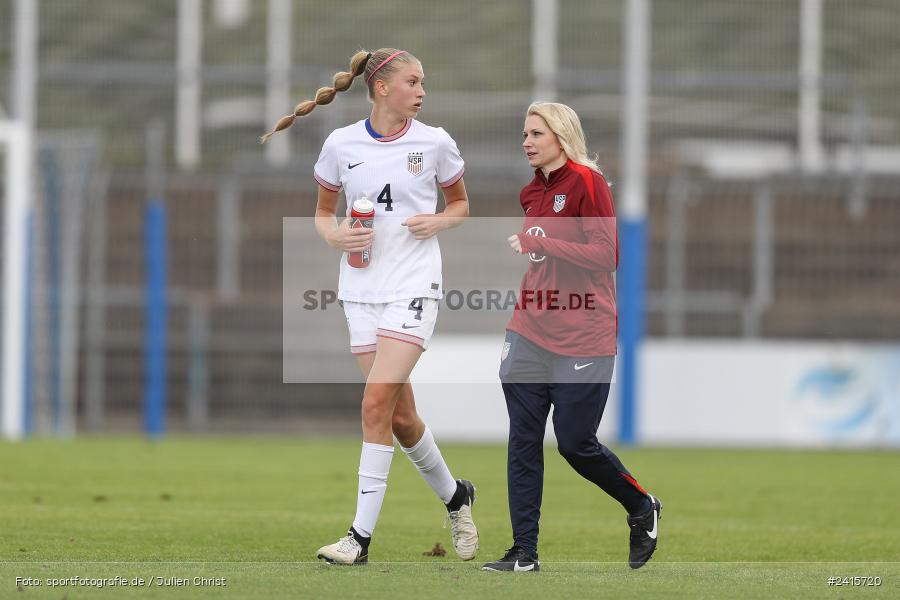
point(736, 524)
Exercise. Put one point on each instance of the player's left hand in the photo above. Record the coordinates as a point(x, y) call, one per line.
point(515, 244)
point(424, 226)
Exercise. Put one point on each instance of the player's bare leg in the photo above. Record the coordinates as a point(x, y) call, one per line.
point(418, 443)
point(458, 495)
point(389, 370)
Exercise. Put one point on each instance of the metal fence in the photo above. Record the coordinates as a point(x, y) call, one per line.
point(746, 240)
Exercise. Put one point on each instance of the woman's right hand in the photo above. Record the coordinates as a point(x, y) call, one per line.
point(348, 239)
point(515, 243)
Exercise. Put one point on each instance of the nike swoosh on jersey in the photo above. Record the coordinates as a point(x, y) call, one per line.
point(349, 166)
point(516, 567)
point(580, 367)
point(405, 326)
point(368, 491)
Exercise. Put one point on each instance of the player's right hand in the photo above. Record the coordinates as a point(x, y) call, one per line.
point(350, 240)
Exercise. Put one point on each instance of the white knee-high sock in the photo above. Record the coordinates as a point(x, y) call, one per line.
point(374, 466)
point(428, 460)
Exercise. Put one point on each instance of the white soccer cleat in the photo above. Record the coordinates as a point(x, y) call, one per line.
point(345, 551)
point(462, 527)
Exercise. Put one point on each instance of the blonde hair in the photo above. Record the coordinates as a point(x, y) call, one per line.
point(564, 122)
point(362, 63)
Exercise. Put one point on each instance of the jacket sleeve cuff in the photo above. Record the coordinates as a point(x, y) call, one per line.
point(530, 243)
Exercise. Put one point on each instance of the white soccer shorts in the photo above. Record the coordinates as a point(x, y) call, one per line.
point(411, 321)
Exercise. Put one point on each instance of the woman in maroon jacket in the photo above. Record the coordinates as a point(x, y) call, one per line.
point(560, 344)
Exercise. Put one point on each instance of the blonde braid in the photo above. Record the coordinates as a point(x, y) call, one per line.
point(324, 95)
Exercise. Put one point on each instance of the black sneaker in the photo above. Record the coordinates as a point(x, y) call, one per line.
point(644, 534)
point(515, 559)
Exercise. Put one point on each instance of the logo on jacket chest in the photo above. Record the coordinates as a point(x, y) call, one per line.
point(415, 163)
point(538, 231)
point(559, 202)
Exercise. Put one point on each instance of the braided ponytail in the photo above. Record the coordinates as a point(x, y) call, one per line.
point(324, 95)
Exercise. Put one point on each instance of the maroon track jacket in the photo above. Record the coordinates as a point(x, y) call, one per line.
point(567, 300)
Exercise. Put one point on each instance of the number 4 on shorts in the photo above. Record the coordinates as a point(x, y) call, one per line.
point(416, 305)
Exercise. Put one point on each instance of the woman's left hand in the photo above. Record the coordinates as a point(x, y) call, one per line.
point(425, 226)
point(515, 244)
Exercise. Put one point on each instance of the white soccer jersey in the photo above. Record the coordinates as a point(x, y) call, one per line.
point(399, 174)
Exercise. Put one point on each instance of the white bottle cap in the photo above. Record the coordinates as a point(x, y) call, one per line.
point(363, 205)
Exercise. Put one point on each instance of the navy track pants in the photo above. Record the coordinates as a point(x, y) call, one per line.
point(535, 379)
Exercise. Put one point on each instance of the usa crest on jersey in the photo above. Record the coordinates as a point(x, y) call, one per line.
point(559, 202)
point(415, 163)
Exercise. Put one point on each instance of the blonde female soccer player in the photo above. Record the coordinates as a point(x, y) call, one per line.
point(391, 305)
point(560, 344)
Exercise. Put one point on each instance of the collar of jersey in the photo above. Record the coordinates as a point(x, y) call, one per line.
point(388, 138)
point(555, 175)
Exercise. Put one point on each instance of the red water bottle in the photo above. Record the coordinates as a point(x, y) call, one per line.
point(362, 214)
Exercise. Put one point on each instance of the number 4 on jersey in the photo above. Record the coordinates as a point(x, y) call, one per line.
point(385, 198)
